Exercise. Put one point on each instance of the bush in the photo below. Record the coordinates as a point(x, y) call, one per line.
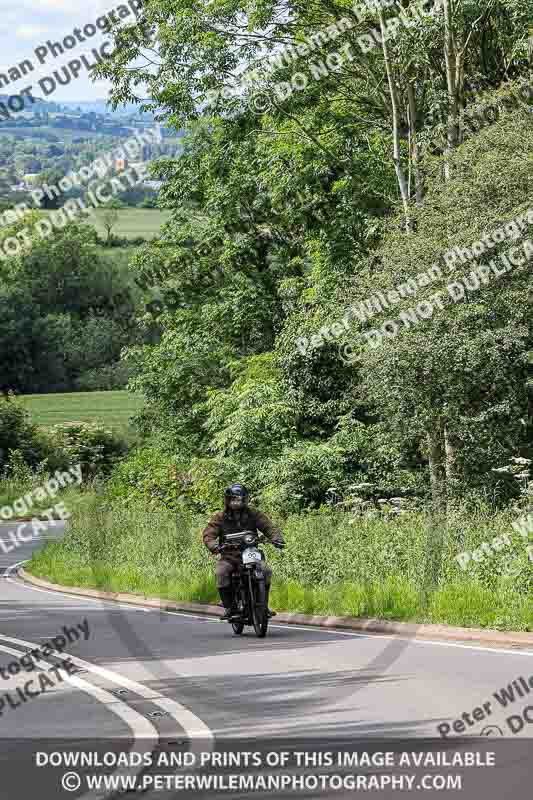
point(149, 475)
point(92, 445)
point(17, 432)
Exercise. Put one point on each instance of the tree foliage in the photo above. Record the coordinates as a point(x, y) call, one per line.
point(290, 205)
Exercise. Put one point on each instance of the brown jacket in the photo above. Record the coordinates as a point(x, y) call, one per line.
point(248, 520)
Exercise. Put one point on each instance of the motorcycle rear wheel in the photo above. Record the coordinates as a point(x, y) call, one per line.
point(259, 607)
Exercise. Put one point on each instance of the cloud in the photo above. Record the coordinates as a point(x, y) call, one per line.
point(31, 31)
point(72, 9)
point(27, 24)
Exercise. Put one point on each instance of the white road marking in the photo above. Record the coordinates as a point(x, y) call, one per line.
point(144, 733)
point(369, 635)
point(141, 727)
point(194, 727)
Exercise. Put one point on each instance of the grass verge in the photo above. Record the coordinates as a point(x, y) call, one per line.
point(13, 492)
point(160, 554)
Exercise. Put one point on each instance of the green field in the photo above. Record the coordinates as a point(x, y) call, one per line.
point(111, 408)
point(133, 222)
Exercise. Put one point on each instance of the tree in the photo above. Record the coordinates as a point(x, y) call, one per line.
point(64, 309)
point(277, 223)
point(461, 387)
point(110, 216)
point(427, 56)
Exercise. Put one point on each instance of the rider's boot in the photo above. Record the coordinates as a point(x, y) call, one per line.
point(270, 613)
point(226, 595)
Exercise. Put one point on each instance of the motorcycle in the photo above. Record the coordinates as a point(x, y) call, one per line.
point(248, 583)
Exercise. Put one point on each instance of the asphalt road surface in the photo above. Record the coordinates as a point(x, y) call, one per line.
point(140, 679)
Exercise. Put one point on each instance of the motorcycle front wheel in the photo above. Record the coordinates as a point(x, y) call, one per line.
point(259, 606)
point(240, 592)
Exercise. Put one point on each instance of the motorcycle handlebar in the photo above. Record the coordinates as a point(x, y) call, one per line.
point(278, 544)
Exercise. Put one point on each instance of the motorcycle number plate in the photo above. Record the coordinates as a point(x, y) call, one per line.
point(251, 555)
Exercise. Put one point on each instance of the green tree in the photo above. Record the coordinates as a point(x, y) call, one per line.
point(110, 216)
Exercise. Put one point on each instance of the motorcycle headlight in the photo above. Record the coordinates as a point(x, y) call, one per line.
point(248, 539)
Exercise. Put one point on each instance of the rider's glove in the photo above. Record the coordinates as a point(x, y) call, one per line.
point(279, 543)
point(217, 549)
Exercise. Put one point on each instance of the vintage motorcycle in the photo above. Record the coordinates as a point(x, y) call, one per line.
point(248, 583)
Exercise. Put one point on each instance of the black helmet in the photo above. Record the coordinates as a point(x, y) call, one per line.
point(235, 490)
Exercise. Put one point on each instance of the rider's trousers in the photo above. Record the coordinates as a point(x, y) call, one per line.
point(225, 567)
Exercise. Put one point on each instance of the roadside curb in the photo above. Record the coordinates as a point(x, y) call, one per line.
point(408, 630)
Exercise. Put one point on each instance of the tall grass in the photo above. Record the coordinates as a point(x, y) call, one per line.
point(23, 484)
point(371, 569)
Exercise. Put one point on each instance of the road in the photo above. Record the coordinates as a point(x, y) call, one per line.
point(186, 682)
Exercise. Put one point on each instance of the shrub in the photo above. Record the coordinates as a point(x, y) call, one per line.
point(92, 445)
point(17, 432)
point(150, 475)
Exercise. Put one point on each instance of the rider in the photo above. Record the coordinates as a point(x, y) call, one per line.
point(236, 517)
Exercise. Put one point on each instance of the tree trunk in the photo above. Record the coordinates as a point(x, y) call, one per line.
point(437, 469)
point(453, 68)
point(451, 455)
point(393, 91)
point(414, 149)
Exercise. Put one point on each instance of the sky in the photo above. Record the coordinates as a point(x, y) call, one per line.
point(26, 25)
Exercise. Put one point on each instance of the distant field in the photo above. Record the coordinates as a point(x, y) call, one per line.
point(65, 135)
point(133, 222)
point(111, 408)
